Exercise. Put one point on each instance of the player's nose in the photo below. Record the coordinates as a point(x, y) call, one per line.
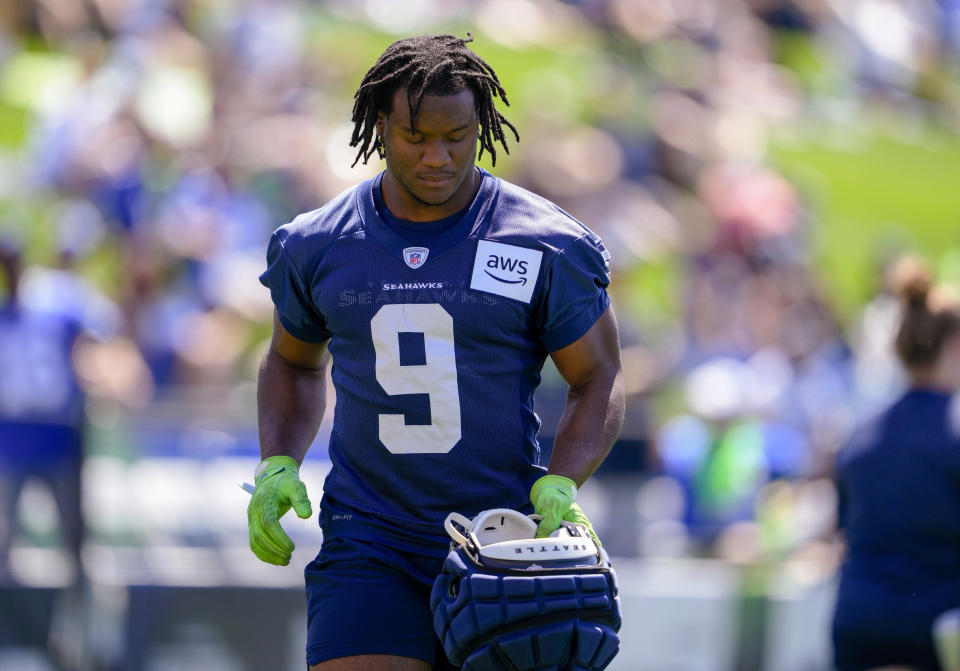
point(436, 154)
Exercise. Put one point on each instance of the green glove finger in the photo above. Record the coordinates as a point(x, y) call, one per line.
point(576, 515)
point(297, 495)
point(552, 496)
point(550, 521)
point(259, 544)
point(267, 553)
point(262, 545)
point(269, 522)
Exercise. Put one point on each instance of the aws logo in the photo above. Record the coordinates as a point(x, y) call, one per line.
point(506, 270)
point(505, 263)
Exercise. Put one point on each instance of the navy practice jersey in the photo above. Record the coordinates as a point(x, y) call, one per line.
point(437, 347)
point(41, 407)
point(899, 485)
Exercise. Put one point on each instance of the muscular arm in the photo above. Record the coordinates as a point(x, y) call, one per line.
point(593, 413)
point(291, 394)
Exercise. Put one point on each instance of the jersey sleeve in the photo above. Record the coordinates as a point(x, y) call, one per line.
point(576, 292)
point(291, 294)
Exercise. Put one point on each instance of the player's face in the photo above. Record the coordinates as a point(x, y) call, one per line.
point(430, 172)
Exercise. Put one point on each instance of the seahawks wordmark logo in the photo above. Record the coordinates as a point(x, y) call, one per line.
point(506, 270)
point(415, 256)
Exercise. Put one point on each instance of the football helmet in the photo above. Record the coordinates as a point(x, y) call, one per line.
point(507, 601)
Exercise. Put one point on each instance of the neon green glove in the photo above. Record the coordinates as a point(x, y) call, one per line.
point(278, 489)
point(554, 499)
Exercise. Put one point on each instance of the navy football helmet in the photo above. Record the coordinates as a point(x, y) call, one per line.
point(507, 601)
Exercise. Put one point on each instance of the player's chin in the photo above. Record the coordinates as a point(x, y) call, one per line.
point(437, 192)
point(435, 196)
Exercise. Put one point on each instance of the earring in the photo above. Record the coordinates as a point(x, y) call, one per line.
point(379, 146)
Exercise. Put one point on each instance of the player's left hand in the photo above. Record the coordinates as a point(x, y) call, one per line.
point(278, 489)
point(554, 499)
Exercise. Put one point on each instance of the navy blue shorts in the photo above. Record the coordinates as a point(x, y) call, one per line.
point(366, 598)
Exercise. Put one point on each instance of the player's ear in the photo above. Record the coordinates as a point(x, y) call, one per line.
point(381, 119)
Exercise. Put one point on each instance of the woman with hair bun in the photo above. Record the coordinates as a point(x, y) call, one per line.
point(899, 492)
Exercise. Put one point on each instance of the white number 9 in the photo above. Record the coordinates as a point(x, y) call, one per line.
point(437, 377)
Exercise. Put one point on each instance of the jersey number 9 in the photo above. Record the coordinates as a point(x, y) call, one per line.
point(437, 377)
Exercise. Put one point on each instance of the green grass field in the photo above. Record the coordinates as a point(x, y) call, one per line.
point(875, 189)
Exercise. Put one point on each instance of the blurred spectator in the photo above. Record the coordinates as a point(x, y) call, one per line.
point(41, 410)
point(899, 486)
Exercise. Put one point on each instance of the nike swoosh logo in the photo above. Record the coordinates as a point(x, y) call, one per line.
point(522, 280)
point(270, 475)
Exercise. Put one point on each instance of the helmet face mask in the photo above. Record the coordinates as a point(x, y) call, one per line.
point(506, 600)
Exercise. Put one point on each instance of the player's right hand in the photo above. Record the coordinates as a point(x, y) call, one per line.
point(278, 488)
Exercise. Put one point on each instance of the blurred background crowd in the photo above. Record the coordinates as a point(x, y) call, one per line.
point(754, 166)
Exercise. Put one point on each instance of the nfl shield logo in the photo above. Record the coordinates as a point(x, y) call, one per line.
point(415, 256)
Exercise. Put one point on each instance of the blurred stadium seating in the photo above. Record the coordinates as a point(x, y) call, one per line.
point(754, 165)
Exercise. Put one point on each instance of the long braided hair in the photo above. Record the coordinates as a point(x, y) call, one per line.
point(438, 64)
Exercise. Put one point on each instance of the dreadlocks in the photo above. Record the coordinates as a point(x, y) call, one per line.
point(440, 64)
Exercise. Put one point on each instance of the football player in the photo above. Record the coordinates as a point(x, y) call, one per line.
point(438, 290)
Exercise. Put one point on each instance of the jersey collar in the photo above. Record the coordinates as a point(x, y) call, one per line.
point(471, 223)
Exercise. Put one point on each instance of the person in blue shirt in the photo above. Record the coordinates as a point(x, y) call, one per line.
point(438, 291)
point(41, 409)
point(899, 493)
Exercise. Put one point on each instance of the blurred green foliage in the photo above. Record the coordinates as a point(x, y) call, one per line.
point(875, 184)
point(14, 122)
point(876, 188)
